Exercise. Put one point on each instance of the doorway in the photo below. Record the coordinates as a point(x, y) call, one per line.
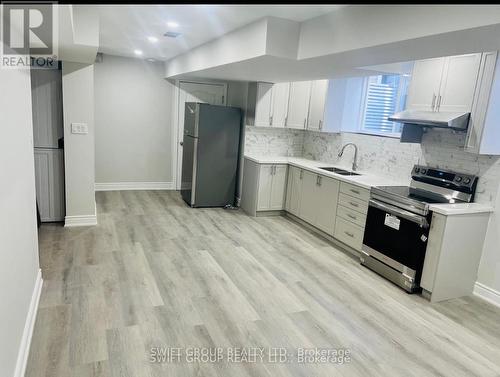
point(190, 91)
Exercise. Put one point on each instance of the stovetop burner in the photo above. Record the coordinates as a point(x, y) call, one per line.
point(413, 194)
point(428, 186)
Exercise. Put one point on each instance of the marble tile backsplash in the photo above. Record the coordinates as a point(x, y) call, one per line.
point(274, 141)
point(388, 157)
point(381, 155)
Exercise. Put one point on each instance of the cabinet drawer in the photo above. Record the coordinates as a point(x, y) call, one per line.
point(352, 216)
point(356, 191)
point(348, 233)
point(353, 203)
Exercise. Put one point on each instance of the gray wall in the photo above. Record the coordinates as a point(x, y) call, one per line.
point(18, 233)
point(133, 115)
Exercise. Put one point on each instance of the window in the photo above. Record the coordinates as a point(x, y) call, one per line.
point(383, 96)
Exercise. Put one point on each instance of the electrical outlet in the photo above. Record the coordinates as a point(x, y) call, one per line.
point(79, 128)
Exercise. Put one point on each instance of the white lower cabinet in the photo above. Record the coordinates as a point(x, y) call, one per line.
point(278, 188)
point(318, 202)
point(272, 186)
point(334, 207)
point(264, 187)
point(349, 233)
point(351, 215)
point(294, 190)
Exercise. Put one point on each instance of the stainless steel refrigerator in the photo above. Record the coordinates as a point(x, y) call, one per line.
point(210, 157)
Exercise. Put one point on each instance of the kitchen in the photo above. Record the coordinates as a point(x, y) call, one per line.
point(285, 190)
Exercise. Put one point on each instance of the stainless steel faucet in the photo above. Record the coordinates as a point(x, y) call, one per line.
point(355, 162)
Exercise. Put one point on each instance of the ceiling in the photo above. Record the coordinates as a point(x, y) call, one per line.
point(125, 28)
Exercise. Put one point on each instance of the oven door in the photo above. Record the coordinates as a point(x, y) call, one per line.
point(396, 237)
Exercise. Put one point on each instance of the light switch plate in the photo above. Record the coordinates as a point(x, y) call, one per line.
point(79, 128)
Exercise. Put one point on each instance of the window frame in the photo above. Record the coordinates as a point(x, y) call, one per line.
point(364, 96)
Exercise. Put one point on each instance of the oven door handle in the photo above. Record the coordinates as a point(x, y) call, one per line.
point(420, 220)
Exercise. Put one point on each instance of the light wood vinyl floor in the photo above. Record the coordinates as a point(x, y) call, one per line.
point(155, 273)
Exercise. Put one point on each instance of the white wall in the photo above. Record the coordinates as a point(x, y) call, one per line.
point(360, 26)
point(489, 269)
point(79, 151)
point(133, 115)
point(18, 232)
point(241, 44)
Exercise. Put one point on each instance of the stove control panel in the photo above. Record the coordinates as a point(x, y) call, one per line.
point(444, 178)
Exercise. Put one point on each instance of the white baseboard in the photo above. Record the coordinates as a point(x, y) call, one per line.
point(118, 186)
point(85, 220)
point(487, 294)
point(24, 348)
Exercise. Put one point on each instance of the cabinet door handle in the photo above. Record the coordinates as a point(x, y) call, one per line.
point(286, 121)
point(320, 124)
point(271, 120)
point(319, 180)
point(433, 101)
point(301, 174)
point(355, 191)
point(354, 204)
point(438, 103)
point(349, 234)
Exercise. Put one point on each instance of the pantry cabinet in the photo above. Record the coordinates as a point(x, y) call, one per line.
point(316, 117)
point(298, 104)
point(444, 84)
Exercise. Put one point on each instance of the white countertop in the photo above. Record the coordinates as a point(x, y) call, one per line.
point(461, 208)
point(367, 180)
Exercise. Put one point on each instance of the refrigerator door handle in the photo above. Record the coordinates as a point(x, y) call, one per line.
point(195, 164)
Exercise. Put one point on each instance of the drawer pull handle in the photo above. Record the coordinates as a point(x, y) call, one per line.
point(355, 191)
point(352, 216)
point(349, 234)
point(354, 204)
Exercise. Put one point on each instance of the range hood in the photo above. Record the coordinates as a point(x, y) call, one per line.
point(454, 121)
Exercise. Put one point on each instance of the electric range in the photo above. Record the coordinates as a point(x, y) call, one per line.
point(398, 222)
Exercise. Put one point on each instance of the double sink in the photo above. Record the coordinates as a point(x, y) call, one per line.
point(339, 171)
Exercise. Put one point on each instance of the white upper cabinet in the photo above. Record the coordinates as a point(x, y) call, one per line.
point(444, 84)
point(483, 134)
point(458, 83)
point(279, 111)
point(259, 104)
point(263, 104)
point(317, 104)
point(424, 88)
point(298, 104)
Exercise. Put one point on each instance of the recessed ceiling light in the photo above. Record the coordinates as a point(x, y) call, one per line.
point(172, 24)
point(153, 39)
point(138, 52)
point(151, 60)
